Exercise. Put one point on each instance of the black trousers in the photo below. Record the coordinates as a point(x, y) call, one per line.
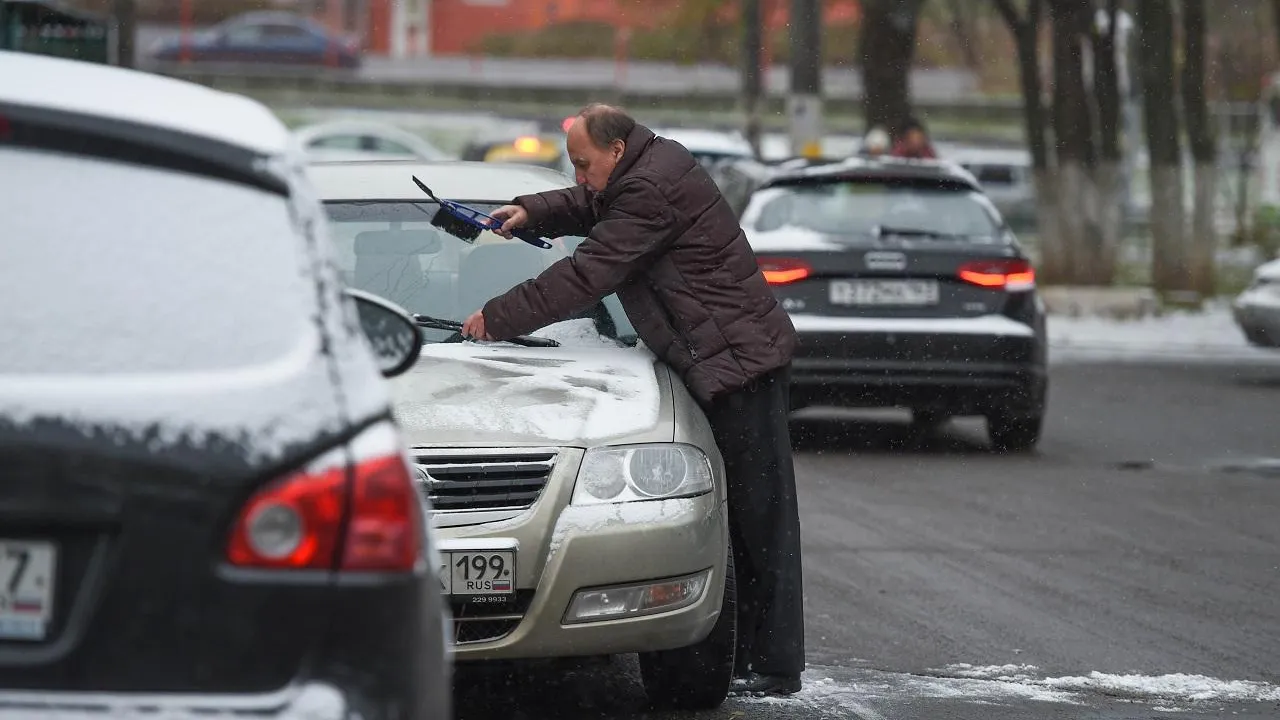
point(750, 427)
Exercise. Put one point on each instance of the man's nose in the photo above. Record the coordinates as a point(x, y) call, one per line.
point(580, 177)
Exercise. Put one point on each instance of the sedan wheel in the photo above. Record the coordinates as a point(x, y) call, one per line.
point(696, 677)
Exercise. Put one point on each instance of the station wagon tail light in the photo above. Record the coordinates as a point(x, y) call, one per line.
point(1012, 275)
point(355, 508)
point(781, 271)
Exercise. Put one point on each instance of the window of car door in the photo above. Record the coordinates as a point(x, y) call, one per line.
point(244, 35)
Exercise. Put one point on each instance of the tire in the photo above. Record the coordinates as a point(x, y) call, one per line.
point(696, 677)
point(1014, 432)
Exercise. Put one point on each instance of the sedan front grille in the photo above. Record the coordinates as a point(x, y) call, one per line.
point(488, 479)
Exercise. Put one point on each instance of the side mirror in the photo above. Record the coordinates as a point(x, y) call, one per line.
point(393, 335)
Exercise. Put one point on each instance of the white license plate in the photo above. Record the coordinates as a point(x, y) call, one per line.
point(26, 588)
point(478, 572)
point(883, 292)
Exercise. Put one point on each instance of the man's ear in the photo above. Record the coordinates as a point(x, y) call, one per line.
point(619, 146)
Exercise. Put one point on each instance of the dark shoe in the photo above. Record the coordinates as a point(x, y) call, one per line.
point(754, 683)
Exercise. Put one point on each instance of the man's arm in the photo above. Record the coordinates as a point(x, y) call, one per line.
point(637, 227)
point(559, 212)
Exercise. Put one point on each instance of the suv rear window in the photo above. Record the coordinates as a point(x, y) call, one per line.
point(121, 268)
point(850, 207)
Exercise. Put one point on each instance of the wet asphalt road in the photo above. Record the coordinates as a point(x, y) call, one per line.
point(1137, 540)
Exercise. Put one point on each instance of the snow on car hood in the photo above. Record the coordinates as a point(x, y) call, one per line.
point(493, 393)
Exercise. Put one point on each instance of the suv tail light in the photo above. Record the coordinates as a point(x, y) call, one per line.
point(780, 271)
point(1012, 275)
point(355, 508)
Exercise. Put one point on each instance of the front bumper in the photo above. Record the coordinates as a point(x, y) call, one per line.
point(961, 365)
point(563, 548)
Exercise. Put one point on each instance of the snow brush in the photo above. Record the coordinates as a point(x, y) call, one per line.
point(466, 223)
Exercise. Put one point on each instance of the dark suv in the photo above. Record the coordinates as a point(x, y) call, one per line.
point(206, 504)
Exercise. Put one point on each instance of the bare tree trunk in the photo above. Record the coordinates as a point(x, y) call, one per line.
point(1073, 132)
point(1170, 264)
point(962, 28)
point(1101, 244)
point(1275, 19)
point(888, 45)
point(1200, 136)
point(1025, 28)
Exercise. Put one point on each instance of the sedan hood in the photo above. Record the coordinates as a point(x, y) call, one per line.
point(502, 394)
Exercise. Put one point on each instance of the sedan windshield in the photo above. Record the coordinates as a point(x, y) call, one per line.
point(860, 208)
point(391, 249)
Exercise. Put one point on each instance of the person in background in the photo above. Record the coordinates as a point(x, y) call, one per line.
point(875, 143)
point(913, 141)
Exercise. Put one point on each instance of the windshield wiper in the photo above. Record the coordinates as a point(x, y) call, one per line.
point(883, 230)
point(435, 323)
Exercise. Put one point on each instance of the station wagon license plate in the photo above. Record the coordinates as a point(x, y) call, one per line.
point(912, 293)
point(478, 572)
point(26, 588)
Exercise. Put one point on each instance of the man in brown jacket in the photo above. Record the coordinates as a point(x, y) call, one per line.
point(659, 234)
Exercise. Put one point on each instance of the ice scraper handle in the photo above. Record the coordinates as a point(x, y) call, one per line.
point(532, 238)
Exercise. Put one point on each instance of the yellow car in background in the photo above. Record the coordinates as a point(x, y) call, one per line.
point(540, 150)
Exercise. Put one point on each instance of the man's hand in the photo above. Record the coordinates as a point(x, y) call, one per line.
point(473, 327)
point(513, 217)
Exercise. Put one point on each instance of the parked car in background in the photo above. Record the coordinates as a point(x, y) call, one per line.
point(1257, 308)
point(1005, 176)
point(907, 289)
point(205, 504)
point(541, 150)
point(268, 37)
point(710, 147)
point(577, 489)
point(361, 138)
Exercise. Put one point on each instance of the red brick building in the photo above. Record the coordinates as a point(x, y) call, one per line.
point(451, 27)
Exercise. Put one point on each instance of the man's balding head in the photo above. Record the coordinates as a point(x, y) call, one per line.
point(596, 141)
point(606, 123)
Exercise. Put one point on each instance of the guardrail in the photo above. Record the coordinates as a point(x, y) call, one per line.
point(337, 88)
point(995, 119)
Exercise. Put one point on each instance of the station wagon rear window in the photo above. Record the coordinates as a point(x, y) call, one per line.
point(859, 207)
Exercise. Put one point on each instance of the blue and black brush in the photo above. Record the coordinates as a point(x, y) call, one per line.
point(466, 223)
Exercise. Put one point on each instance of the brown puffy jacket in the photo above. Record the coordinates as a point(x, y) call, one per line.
point(661, 237)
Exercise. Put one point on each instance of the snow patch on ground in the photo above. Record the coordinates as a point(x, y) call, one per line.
point(837, 692)
point(1175, 336)
point(1177, 687)
point(1174, 687)
point(822, 692)
point(987, 672)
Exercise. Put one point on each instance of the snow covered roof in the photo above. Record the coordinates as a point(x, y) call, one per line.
point(697, 140)
point(460, 180)
point(139, 97)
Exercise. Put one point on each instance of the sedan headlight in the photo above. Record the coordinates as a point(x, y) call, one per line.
point(627, 473)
